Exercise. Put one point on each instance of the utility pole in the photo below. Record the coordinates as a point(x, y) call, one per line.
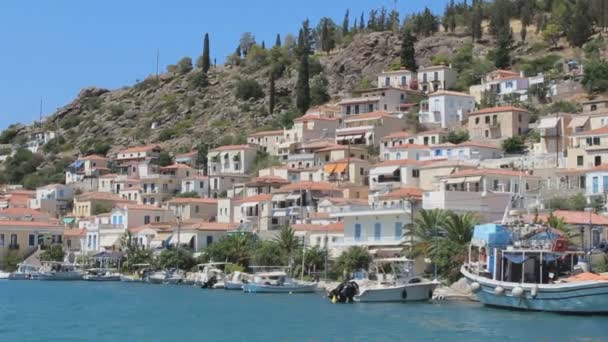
point(557, 129)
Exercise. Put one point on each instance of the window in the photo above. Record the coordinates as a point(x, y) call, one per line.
point(596, 140)
point(1, 240)
point(398, 156)
point(146, 219)
point(487, 133)
point(357, 232)
point(370, 107)
point(495, 185)
point(487, 119)
point(402, 97)
point(347, 111)
point(356, 109)
point(387, 81)
point(120, 220)
point(386, 156)
point(89, 241)
point(197, 209)
point(31, 240)
point(605, 183)
point(152, 200)
point(157, 219)
point(385, 106)
point(398, 230)
point(595, 185)
point(597, 161)
point(403, 81)
point(593, 107)
point(519, 117)
point(477, 120)
point(579, 161)
point(377, 231)
point(15, 241)
point(415, 173)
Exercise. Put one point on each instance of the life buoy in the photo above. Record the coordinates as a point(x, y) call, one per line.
point(404, 294)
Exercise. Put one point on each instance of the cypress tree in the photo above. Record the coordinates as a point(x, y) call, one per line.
point(382, 20)
point(345, 24)
point(277, 41)
point(263, 45)
point(408, 51)
point(371, 21)
point(355, 27)
point(527, 12)
point(304, 49)
point(502, 55)
point(327, 38)
point(362, 23)
point(271, 96)
point(204, 62)
point(394, 21)
point(581, 27)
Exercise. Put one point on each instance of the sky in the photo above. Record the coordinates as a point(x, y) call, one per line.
point(49, 50)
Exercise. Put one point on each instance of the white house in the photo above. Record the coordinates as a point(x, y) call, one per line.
point(39, 139)
point(393, 174)
point(446, 108)
point(436, 77)
point(468, 150)
point(401, 78)
point(53, 199)
point(596, 181)
point(387, 99)
point(407, 151)
point(196, 184)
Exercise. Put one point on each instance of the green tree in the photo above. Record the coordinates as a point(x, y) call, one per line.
point(526, 15)
point(245, 43)
point(502, 54)
point(180, 258)
point(9, 134)
point(234, 248)
point(287, 241)
point(408, 51)
point(326, 32)
point(277, 41)
point(249, 89)
point(551, 34)
point(457, 136)
point(393, 21)
point(514, 145)
point(352, 259)
point(184, 65)
point(164, 159)
point(319, 93)
point(304, 49)
point(362, 23)
point(271, 94)
point(135, 253)
point(581, 27)
point(424, 230)
point(21, 164)
point(53, 253)
point(476, 20)
point(345, 23)
point(595, 79)
point(268, 253)
point(205, 59)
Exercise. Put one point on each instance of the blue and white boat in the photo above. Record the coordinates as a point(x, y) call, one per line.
point(277, 282)
point(538, 275)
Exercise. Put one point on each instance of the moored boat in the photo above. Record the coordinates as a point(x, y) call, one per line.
point(101, 274)
point(211, 275)
point(529, 274)
point(24, 272)
point(236, 280)
point(277, 282)
point(59, 271)
point(395, 281)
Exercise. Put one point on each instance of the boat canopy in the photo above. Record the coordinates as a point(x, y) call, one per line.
point(491, 235)
point(519, 257)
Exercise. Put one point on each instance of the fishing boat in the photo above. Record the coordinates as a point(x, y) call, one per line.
point(236, 280)
point(141, 274)
point(535, 272)
point(24, 272)
point(211, 275)
point(394, 280)
point(59, 271)
point(101, 274)
point(277, 282)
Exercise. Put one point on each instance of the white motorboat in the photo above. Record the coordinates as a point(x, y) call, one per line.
point(158, 277)
point(24, 272)
point(140, 276)
point(537, 272)
point(395, 281)
point(211, 275)
point(59, 271)
point(175, 277)
point(101, 274)
point(4, 275)
point(277, 282)
point(236, 280)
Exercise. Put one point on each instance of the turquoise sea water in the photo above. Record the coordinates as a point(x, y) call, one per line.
point(84, 311)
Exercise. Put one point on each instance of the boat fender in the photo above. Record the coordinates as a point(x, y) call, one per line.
point(404, 294)
point(499, 290)
point(475, 287)
point(534, 291)
point(517, 292)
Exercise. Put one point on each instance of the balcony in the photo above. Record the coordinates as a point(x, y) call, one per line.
point(301, 156)
point(370, 241)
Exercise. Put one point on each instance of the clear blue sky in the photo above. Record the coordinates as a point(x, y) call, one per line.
point(52, 49)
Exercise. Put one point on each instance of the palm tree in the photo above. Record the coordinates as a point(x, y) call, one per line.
point(287, 241)
point(459, 228)
point(560, 224)
point(423, 230)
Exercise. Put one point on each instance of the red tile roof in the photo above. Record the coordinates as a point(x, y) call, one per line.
point(332, 227)
point(499, 109)
point(74, 232)
point(404, 146)
point(101, 196)
point(176, 167)
point(267, 180)
point(34, 224)
point(22, 212)
point(186, 200)
point(345, 201)
point(368, 116)
point(255, 198)
point(133, 206)
point(310, 186)
point(398, 135)
point(138, 149)
point(483, 172)
point(313, 117)
point(338, 147)
point(603, 167)
point(94, 157)
point(578, 217)
point(407, 192)
point(210, 226)
point(601, 130)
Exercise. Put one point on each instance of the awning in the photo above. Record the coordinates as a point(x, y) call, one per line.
point(578, 121)
point(184, 238)
point(159, 239)
point(77, 164)
point(457, 180)
point(279, 197)
point(548, 123)
point(109, 240)
point(329, 168)
point(473, 179)
point(68, 220)
point(350, 137)
point(383, 170)
point(516, 257)
point(340, 168)
point(248, 204)
point(294, 197)
point(281, 213)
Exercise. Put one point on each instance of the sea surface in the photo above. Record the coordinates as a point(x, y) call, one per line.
point(86, 311)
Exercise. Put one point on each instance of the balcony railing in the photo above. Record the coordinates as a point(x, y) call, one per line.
point(370, 240)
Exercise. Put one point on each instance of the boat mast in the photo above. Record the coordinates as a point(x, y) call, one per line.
point(179, 226)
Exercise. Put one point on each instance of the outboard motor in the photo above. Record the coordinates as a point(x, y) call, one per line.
point(344, 293)
point(209, 283)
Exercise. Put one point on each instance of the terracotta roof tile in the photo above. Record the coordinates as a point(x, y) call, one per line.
point(310, 186)
point(578, 217)
point(176, 167)
point(332, 227)
point(483, 172)
point(74, 232)
point(407, 192)
point(138, 149)
point(255, 198)
point(368, 116)
point(186, 200)
point(498, 110)
point(101, 196)
point(265, 133)
point(405, 146)
point(601, 130)
point(232, 148)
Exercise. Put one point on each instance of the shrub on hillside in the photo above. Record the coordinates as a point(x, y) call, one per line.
point(249, 89)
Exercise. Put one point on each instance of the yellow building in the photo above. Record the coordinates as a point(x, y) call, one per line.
point(24, 237)
point(93, 203)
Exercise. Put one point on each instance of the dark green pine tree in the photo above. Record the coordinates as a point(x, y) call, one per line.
point(504, 45)
point(371, 21)
point(476, 20)
point(206, 61)
point(263, 45)
point(362, 23)
point(355, 27)
point(408, 51)
point(581, 27)
point(527, 13)
point(277, 41)
point(327, 36)
point(394, 21)
point(271, 95)
point(382, 20)
point(345, 23)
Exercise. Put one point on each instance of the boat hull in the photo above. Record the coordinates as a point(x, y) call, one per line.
point(229, 285)
point(21, 276)
point(103, 278)
point(261, 288)
point(60, 276)
point(587, 297)
point(399, 293)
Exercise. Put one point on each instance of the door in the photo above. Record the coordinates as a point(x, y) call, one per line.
point(398, 230)
point(377, 231)
point(357, 232)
